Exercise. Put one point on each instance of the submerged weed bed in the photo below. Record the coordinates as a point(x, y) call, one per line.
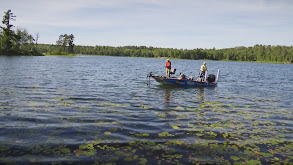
point(213, 133)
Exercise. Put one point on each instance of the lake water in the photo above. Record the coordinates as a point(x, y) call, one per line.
point(99, 110)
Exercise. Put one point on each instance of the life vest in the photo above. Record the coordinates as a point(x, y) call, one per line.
point(168, 65)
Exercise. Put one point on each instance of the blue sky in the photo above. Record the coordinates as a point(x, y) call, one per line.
point(186, 24)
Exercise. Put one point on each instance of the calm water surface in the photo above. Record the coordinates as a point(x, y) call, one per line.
point(98, 110)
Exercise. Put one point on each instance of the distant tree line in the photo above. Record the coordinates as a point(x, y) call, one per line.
point(64, 46)
point(261, 53)
point(16, 42)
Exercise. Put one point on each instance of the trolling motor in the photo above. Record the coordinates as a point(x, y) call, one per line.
point(150, 74)
point(149, 78)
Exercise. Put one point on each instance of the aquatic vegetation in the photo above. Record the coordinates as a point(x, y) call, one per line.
point(142, 135)
point(174, 126)
point(165, 134)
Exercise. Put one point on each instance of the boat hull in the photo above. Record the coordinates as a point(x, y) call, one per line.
point(183, 82)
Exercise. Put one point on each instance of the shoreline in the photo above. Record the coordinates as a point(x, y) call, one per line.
point(74, 55)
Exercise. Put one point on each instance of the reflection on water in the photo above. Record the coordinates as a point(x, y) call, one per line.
point(167, 95)
point(76, 110)
point(201, 94)
point(171, 90)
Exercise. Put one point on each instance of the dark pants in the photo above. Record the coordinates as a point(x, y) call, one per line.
point(202, 75)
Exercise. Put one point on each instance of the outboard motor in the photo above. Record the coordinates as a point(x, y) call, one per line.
point(211, 78)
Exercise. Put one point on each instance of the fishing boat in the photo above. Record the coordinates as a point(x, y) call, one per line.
point(208, 81)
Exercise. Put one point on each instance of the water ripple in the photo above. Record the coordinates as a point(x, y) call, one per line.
point(73, 110)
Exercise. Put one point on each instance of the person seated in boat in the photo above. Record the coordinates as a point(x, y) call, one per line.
point(203, 70)
point(182, 76)
point(168, 68)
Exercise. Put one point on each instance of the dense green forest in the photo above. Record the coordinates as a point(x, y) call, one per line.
point(260, 53)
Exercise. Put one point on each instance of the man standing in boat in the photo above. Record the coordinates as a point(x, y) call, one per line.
point(203, 70)
point(168, 68)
